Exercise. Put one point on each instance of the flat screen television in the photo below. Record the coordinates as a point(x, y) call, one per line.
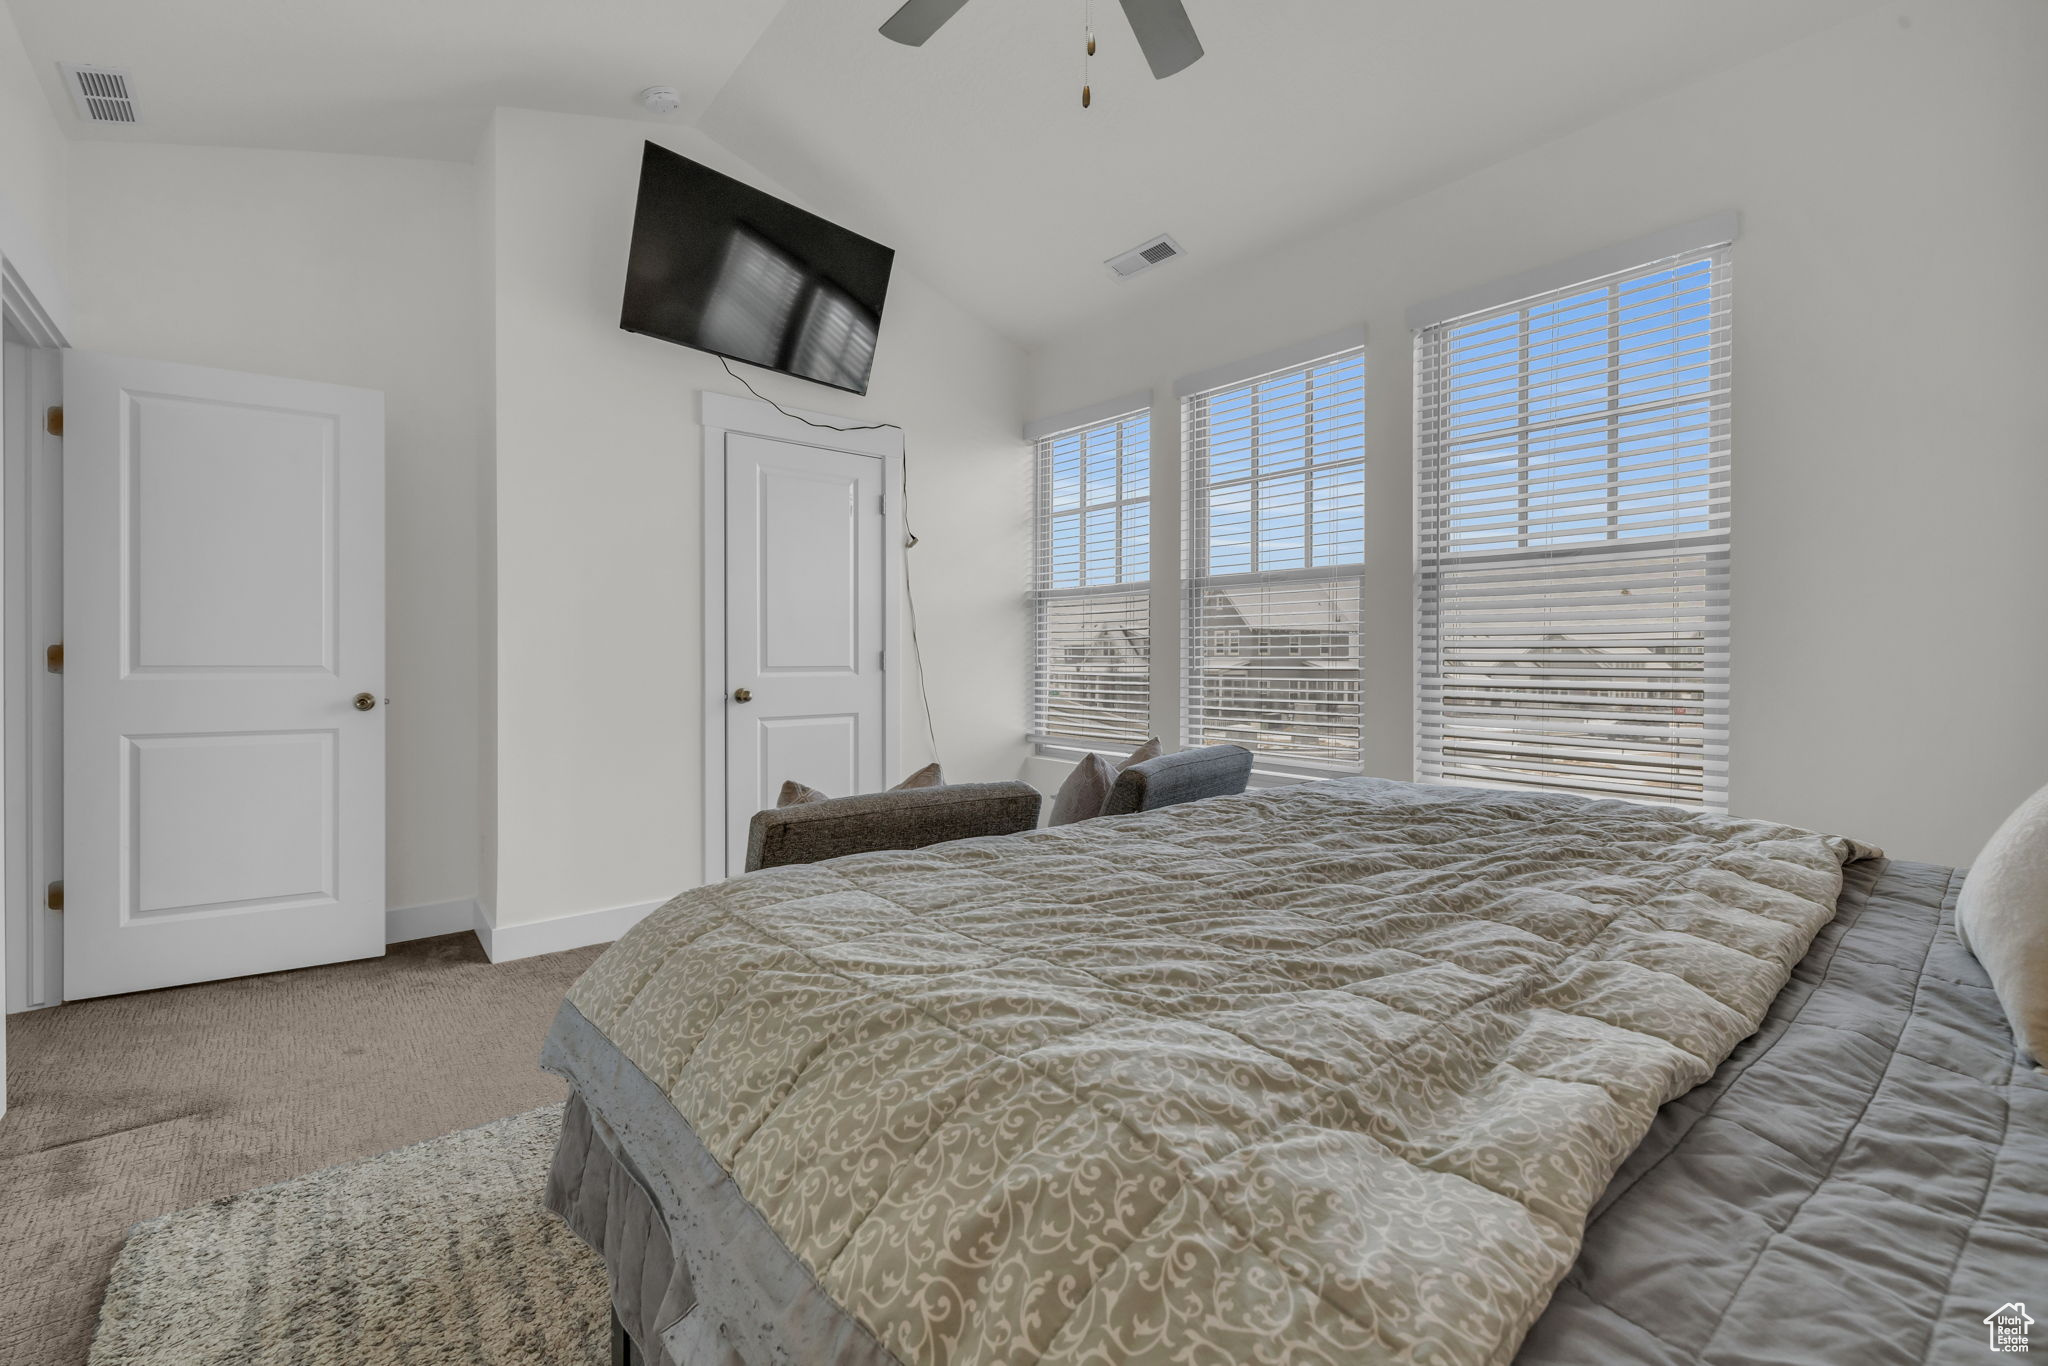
point(720, 266)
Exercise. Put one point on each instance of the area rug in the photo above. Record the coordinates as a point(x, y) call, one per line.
point(441, 1252)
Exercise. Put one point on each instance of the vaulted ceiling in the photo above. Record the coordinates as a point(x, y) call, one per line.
point(408, 78)
point(971, 155)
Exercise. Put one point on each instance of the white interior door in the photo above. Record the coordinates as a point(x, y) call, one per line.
point(803, 623)
point(224, 627)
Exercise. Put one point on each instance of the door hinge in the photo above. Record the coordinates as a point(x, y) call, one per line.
point(53, 658)
point(55, 898)
point(882, 504)
point(53, 419)
point(882, 662)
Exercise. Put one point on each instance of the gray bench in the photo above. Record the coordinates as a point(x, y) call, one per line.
point(910, 818)
point(1169, 780)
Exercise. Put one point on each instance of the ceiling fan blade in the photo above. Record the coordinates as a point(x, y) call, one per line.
point(919, 20)
point(1164, 35)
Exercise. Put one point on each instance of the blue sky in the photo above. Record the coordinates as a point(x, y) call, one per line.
point(1285, 482)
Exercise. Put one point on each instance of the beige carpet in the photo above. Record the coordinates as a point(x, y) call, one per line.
point(128, 1107)
point(440, 1252)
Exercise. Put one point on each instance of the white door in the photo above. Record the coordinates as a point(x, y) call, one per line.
point(223, 674)
point(803, 625)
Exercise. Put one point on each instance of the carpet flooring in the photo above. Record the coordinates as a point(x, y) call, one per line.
point(441, 1252)
point(128, 1107)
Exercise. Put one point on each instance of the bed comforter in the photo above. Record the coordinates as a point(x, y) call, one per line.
point(1331, 1073)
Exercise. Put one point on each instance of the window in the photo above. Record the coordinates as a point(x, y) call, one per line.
point(1092, 679)
point(1275, 533)
point(1572, 472)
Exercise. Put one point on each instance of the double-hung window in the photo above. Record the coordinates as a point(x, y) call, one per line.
point(1572, 470)
point(1092, 672)
point(1273, 541)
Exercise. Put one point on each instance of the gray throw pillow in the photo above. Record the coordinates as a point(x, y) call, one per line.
point(1149, 750)
point(795, 793)
point(931, 775)
point(1081, 796)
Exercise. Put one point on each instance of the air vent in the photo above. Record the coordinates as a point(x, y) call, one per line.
point(101, 94)
point(1144, 256)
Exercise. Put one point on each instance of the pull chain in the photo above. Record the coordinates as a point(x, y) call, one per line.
point(1088, 50)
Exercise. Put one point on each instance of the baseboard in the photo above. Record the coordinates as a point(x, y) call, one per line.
point(502, 943)
point(423, 922)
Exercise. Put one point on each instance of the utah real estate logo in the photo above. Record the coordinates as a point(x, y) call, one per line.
point(2008, 1325)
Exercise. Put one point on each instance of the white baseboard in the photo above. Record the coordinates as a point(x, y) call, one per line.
point(422, 922)
point(503, 943)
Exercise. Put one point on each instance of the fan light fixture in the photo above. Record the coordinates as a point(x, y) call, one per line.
point(1163, 30)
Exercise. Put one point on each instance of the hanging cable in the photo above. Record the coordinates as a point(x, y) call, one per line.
point(910, 608)
point(798, 417)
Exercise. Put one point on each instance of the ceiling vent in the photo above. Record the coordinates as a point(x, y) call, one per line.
point(1144, 256)
point(101, 94)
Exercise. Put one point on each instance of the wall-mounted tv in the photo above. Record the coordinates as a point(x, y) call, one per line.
point(720, 266)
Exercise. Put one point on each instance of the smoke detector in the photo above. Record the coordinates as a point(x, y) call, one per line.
point(1144, 256)
point(101, 94)
point(661, 99)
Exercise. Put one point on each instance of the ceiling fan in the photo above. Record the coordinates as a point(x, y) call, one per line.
point(1164, 34)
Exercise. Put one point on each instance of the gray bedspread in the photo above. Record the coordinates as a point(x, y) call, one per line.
point(1861, 1181)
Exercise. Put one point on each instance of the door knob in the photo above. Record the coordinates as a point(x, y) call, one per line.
point(742, 695)
point(365, 701)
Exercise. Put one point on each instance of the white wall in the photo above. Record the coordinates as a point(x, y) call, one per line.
point(354, 270)
point(31, 171)
point(1891, 340)
point(598, 517)
point(543, 513)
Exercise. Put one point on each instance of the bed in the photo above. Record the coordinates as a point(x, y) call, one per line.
point(1346, 1072)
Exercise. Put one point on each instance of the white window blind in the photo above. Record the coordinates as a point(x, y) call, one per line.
point(1274, 537)
point(1573, 454)
point(1092, 678)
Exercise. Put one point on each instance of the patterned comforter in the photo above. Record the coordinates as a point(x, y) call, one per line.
point(1329, 1073)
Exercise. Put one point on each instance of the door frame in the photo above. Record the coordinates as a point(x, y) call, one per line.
point(31, 618)
point(32, 305)
point(722, 414)
point(32, 310)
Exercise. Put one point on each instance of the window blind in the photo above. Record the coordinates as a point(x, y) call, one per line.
point(1273, 539)
point(1092, 675)
point(1573, 473)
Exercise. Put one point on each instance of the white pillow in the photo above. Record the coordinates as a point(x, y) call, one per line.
point(2002, 917)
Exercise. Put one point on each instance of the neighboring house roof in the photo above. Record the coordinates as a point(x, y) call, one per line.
point(1318, 607)
point(1271, 664)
